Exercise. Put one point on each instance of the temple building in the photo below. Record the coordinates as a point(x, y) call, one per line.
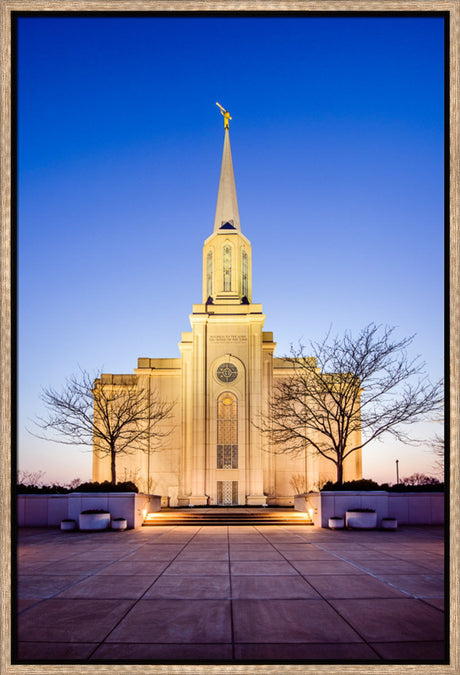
point(214, 453)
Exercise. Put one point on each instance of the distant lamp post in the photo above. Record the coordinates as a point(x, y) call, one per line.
point(397, 472)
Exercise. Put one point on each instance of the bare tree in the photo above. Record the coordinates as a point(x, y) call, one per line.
point(298, 483)
point(30, 477)
point(437, 449)
point(108, 412)
point(419, 479)
point(349, 392)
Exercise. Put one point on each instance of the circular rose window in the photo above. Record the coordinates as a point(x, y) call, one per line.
point(227, 372)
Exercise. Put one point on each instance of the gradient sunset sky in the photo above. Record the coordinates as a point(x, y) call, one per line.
point(338, 150)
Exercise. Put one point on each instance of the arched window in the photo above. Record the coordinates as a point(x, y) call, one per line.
point(227, 431)
point(244, 273)
point(227, 267)
point(209, 274)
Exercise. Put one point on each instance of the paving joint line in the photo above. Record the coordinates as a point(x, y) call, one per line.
point(231, 595)
point(135, 601)
point(375, 576)
point(364, 641)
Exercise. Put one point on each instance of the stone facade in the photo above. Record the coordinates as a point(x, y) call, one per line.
point(214, 453)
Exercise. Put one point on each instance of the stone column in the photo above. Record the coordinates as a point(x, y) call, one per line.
point(268, 458)
point(255, 465)
point(185, 468)
point(199, 497)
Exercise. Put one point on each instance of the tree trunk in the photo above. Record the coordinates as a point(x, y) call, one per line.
point(340, 472)
point(112, 466)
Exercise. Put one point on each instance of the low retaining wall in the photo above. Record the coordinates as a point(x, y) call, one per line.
point(409, 508)
point(49, 510)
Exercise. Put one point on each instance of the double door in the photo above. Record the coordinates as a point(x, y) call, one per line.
point(227, 492)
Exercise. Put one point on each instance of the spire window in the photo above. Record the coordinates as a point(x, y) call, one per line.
point(244, 274)
point(227, 267)
point(209, 274)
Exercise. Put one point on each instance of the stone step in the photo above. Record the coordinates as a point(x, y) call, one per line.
point(227, 517)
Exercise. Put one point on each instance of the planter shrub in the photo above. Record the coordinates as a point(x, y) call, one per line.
point(107, 486)
point(362, 484)
point(41, 489)
point(368, 485)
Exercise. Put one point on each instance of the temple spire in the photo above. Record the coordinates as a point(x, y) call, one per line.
point(227, 215)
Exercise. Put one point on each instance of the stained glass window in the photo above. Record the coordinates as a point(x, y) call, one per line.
point(227, 372)
point(244, 273)
point(227, 267)
point(227, 431)
point(209, 274)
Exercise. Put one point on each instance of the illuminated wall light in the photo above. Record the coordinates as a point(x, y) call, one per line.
point(310, 513)
point(144, 513)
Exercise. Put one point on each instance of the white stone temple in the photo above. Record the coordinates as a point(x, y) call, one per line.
point(221, 383)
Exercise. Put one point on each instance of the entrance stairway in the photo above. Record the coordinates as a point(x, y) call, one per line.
point(227, 516)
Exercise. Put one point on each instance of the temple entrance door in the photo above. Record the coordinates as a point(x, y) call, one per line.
point(227, 492)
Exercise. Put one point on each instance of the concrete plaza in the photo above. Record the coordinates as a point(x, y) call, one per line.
point(231, 593)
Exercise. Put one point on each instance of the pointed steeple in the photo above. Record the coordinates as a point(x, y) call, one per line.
point(227, 217)
point(227, 258)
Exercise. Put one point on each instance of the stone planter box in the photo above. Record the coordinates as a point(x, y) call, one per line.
point(88, 522)
point(361, 520)
point(408, 508)
point(389, 524)
point(130, 505)
point(68, 525)
point(336, 523)
point(50, 510)
point(119, 524)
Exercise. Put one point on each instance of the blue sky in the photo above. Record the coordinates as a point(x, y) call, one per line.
point(337, 141)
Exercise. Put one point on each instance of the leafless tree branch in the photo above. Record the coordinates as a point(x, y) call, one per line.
point(349, 392)
point(111, 414)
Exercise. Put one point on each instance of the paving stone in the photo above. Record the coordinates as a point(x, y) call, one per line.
point(305, 652)
point(254, 554)
point(190, 587)
point(288, 621)
point(172, 621)
point(141, 567)
point(271, 587)
point(54, 651)
point(390, 567)
point(170, 588)
point(305, 553)
point(194, 567)
point(44, 586)
point(418, 585)
point(261, 567)
point(329, 567)
point(352, 586)
point(363, 554)
point(102, 554)
point(59, 620)
point(73, 567)
point(435, 602)
point(204, 553)
point(24, 603)
point(106, 586)
point(392, 620)
point(154, 554)
point(411, 651)
point(237, 546)
point(163, 653)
